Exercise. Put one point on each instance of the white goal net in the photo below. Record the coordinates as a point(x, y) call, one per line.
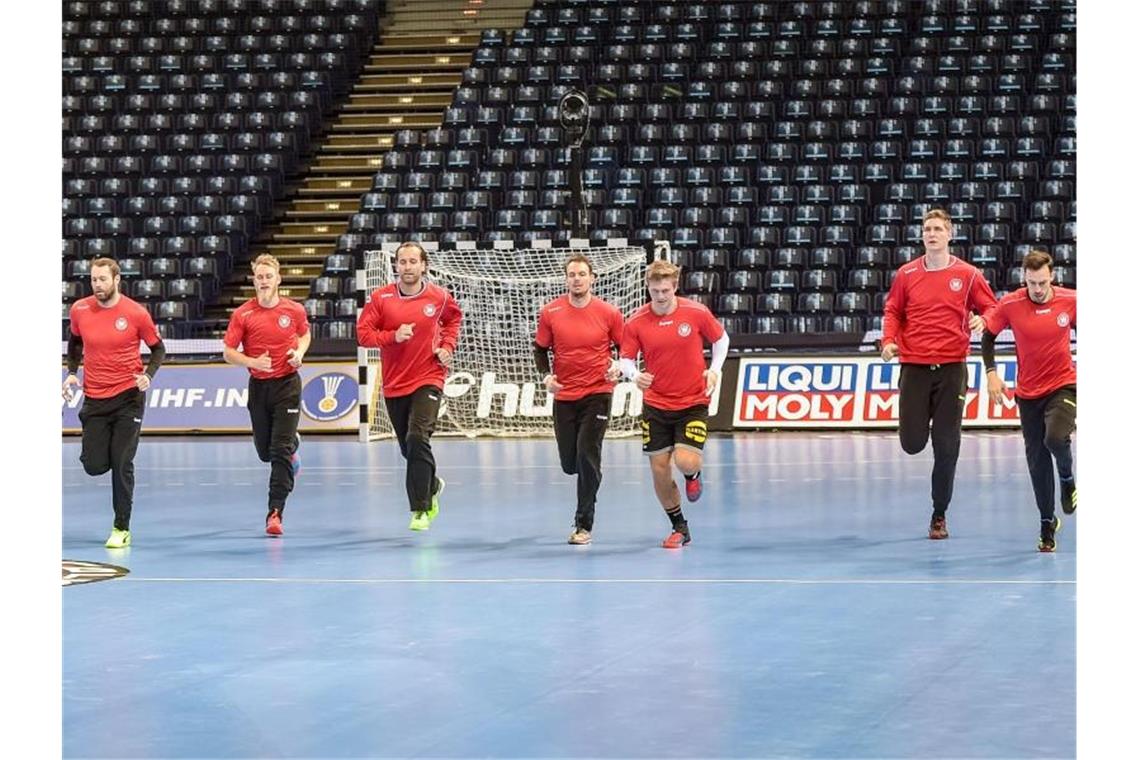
point(493, 387)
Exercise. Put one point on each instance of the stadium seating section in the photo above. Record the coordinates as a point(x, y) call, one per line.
point(786, 150)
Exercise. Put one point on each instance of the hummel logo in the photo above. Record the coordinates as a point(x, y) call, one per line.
point(291, 411)
point(1043, 311)
point(433, 398)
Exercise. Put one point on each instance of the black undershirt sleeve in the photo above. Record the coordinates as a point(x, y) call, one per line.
point(988, 350)
point(542, 359)
point(74, 353)
point(157, 356)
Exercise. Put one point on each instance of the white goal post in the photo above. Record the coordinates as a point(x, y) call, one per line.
point(493, 387)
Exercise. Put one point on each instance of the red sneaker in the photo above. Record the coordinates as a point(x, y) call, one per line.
point(676, 540)
point(693, 488)
point(938, 528)
point(273, 523)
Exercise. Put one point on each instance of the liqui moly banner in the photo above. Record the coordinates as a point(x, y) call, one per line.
point(211, 398)
point(850, 392)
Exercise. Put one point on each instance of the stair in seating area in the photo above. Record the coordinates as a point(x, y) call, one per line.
point(406, 83)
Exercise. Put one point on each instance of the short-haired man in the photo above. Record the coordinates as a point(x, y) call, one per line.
point(669, 334)
point(582, 330)
point(927, 324)
point(106, 328)
point(273, 334)
point(1042, 317)
point(415, 324)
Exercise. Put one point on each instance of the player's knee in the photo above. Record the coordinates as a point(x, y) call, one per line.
point(1055, 443)
point(912, 444)
point(688, 462)
point(92, 467)
point(418, 441)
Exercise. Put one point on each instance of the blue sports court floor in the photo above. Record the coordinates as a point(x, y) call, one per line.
point(810, 617)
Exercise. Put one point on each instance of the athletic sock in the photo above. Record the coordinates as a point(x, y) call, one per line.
point(678, 519)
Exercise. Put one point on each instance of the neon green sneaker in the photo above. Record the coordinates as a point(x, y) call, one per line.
point(420, 521)
point(119, 539)
point(434, 511)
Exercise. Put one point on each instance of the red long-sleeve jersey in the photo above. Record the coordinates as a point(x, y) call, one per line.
point(435, 316)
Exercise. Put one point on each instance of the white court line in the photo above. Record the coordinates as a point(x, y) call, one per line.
point(612, 466)
point(618, 581)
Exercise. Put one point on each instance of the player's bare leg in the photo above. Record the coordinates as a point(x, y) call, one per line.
point(661, 465)
point(688, 462)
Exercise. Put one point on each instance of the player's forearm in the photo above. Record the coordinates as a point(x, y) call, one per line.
point(304, 342)
point(719, 353)
point(369, 337)
point(157, 357)
point(449, 329)
point(542, 360)
point(988, 350)
point(74, 353)
point(233, 356)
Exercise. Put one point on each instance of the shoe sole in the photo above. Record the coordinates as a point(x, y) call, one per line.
point(414, 525)
point(123, 545)
point(665, 545)
point(694, 498)
point(572, 542)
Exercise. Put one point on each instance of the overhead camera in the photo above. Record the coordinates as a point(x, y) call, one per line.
point(574, 114)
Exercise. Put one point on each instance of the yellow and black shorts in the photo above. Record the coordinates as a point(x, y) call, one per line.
point(663, 429)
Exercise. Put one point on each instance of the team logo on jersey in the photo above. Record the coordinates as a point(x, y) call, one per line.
point(284, 321)
point(329, 396)
point(429, 310)
point(121, 324)
point(684, 329)
point(956, 284)
point(78, 571)
point(1063, 319)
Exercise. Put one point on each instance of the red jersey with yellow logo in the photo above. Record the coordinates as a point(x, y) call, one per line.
point(275, 329)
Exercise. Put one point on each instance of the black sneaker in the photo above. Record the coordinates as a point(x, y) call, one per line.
point(1069, 496)
point(1048, 540)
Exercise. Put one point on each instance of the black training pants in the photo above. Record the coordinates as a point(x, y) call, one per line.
point(931, 400)
point(274, 412)
point(579, 427)
point(413, 418)
point(111, 428)
point(1047, 425)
